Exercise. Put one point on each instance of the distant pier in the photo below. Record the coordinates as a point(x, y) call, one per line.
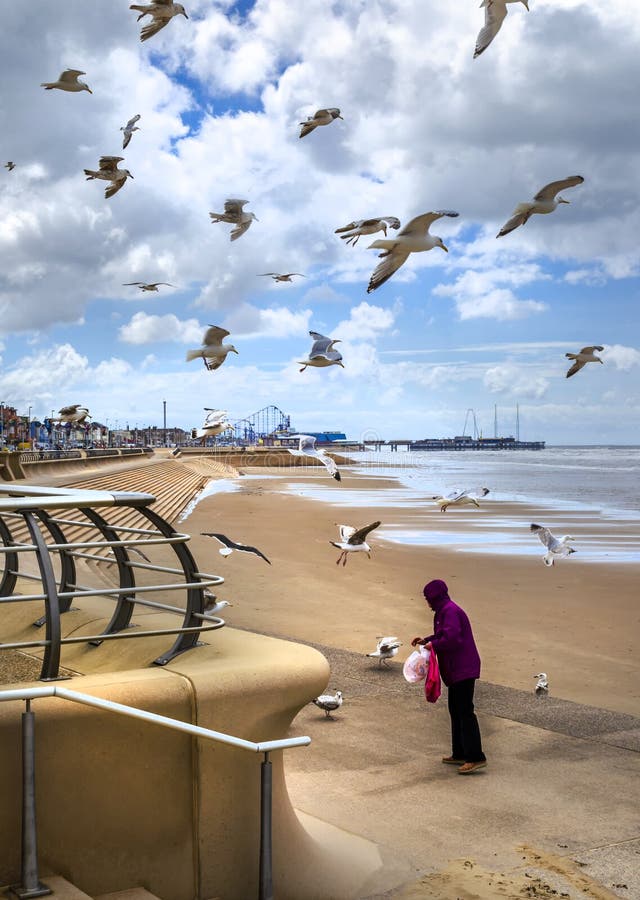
point(462, 442)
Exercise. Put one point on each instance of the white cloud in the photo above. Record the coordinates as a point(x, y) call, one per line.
point(280, 322)
point(477, 294)
point(513, 381)
point(622, 357)
point(365, 322)
point(146, 329)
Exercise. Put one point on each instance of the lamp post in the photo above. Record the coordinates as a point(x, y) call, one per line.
point(29, 425)
point(164, 417)
point(1, 423)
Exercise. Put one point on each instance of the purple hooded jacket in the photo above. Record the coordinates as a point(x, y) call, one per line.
point(452, 637)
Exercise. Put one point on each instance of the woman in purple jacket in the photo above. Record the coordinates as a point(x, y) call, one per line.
point(459, 664)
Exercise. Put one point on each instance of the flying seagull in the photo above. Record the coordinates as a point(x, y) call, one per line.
point(495, 12)
point(414, 238)
point(542, 687)
point(213, 351)
point(460, 498)
point(585, 356)
point(307, 447)
point(144, 286)
point(355, 230)
point(128, 130)
point(329, 702)
point(352, 540)
point(10, 166)
point(544, 202)
point(386, 648)
point(235, 216)
point(109, 171)
point(68, 81)
point(320, 117)
point(277, 276)
point(322, 353)
point(215, 423)
point(228, 546)
point(213, 606)
point(557, 548)
point(75, 414)
point(161, 12)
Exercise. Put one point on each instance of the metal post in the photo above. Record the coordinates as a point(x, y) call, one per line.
point(30, 886)
point(265, 888)
point(164, 417)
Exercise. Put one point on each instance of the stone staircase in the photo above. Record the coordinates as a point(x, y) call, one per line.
point(61, 889)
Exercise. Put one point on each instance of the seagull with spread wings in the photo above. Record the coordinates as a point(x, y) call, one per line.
point(320, 117)
point(214, 424)
point(586, 355)
point(386, 648)
point(307, 447)
point(414, 238)
point(161, 12)
point(277, 276)
point(234, 215)
point(354, 230)
point(353, 540)
point(128, 130)
point(75, 414)
point(109, 171)
point(10, 165)
point(322, 353)
point(460, 498)
point(228, 546)
point(495, 12)
point(557, 548)
point(213, 351)
point(544, 202)
point(147, 286)
point(68, 81)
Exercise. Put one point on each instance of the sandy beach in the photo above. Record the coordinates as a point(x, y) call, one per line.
point(576, 621)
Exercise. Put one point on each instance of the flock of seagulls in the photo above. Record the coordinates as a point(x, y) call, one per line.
point(495, 12)
point(354, 230)
point(544, 202)
point(386, 648)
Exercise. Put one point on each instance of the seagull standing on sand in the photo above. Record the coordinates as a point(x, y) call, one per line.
point(228, 546)
point(307, 447)
point(544, 202)
point(542, 687)
point(68, 81)
point(76, 414)
point(495, 12)
point(329, 702)
point(161, 11)
point(128, 130)
point(387, 647)
point(355, 230)
point(460, 498)
point(213, 351)
point(109, 171)
point(144, 286)
point(277, 276)
point(352, 541)
point(322, 353)
point(585, 356)
point(235, 216)
point(557, 548)
point(414, 238)
point(320, 117)
point(10, 165)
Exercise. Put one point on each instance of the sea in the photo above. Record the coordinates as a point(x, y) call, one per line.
point(590, 492)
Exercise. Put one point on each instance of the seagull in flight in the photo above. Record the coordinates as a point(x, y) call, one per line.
point(557, 548)
point(495, 12)
point(542, 687)
point(144, 286)
point(212, 605)
point(128, 130)
point(68, 81)
point(277, 276)
point(228, 546)
point(320, 117)
point(354, 230)
point(586, 355)
point(213, 351)
point(386, 648)
point(307, 447)
point(233, 213)
point(460, 498)
point(544, 202)
point(109, 171)
point(414, 238)
point(329, 703)
point(75, 414)
point(353, 540)
point(161, 12)
point(10, 165)
point(322, 353)
point(215, 423)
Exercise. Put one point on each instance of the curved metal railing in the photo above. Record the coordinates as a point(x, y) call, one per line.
point(33, 524)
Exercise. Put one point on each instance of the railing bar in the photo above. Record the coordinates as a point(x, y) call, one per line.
point(118, 635)
point(87, 524)
point(175, 539)
point(126, 590)
point(154, 718)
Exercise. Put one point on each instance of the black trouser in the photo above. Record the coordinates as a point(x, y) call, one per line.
point(466, 742)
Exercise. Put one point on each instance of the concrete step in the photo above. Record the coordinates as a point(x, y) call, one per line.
point(136, 893)
point(60, 887)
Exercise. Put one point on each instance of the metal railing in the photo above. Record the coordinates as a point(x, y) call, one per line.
point(32, 522)
point(30, 885)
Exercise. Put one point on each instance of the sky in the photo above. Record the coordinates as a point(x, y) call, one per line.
point(426, 127)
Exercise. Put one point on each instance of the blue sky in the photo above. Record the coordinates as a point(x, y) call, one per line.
point(425, 127)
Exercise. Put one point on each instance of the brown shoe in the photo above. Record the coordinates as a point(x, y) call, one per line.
point(452, 761)
point(470, 767)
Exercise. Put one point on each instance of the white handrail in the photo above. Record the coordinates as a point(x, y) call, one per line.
point(155, 719)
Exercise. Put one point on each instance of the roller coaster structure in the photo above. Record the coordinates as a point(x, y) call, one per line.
point(264, 425)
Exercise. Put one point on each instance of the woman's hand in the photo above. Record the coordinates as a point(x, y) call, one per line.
point(416, 641)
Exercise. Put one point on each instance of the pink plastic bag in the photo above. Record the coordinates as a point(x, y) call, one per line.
point(432, 687)
point(416, 665)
